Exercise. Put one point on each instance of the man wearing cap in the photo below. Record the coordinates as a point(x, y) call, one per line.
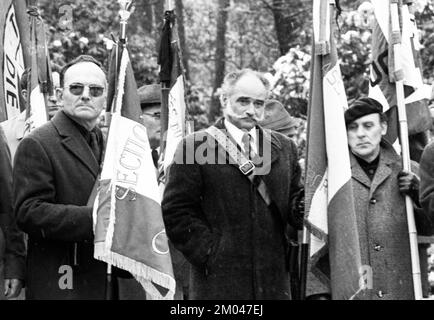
point(227, 216)
point(278, 119)
point(379, 187)
point(55, 169)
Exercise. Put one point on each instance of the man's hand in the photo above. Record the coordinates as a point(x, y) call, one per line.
point(408, 182)
point(13, 288)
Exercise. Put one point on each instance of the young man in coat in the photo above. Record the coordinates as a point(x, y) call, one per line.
point(55, 169)
point(216, 216)
point(379, 187)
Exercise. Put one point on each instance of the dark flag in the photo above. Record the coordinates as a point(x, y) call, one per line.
point(174, 123)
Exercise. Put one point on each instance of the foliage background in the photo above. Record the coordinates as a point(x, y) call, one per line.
point(251, 40)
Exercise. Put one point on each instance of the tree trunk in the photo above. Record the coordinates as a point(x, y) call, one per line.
point(148, 24)
point(220, 56)
point(182, 37)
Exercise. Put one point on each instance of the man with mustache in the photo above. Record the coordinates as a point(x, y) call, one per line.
point(227, 216)
point(379, 187)
point(55, 169)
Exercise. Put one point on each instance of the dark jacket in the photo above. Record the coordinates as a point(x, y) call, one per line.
point(14, 255)
point(216, 218)
point(383, 228)
point(54, 173)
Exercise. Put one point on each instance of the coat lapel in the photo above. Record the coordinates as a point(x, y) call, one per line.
point(358, 173)
point(75, 143)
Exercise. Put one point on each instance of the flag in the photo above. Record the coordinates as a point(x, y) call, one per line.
point(382, 77)
point(175, 125)
point(40, 84)
point(12, 56)
point(330, 212)
point(128, 223)
point(25, 38)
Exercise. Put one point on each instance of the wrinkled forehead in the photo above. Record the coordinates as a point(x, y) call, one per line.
point(251, 86)
point(86, 73)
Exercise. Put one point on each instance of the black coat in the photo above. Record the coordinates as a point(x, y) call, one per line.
point(215, 217)
point(13, 256)
point(54, 173)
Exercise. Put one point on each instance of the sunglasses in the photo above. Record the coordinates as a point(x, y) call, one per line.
point(77, 89)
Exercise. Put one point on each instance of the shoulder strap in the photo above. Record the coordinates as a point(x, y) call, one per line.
point(245, 165)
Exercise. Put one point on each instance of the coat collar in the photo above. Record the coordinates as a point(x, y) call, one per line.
point(388, 156)
point(74, 141)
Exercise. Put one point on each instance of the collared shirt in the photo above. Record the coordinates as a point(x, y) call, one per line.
point(238, 134)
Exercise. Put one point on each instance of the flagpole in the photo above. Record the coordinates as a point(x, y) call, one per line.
point(165, 89)
point(321, 45)
point(403, 128)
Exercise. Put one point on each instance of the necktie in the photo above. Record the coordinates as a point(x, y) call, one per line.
point(155, 157)
point(94, 146)
point(247, 141)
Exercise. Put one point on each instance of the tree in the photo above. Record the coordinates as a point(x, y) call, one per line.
point(220, 55)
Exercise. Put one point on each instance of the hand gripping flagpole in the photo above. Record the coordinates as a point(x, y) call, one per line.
point(403, 129)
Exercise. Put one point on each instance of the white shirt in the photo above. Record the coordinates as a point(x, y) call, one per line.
point(237, 134)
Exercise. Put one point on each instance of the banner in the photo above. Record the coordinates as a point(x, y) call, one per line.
point(330, 211)
point(171, 75)
point(382, 80)
point(128, 223)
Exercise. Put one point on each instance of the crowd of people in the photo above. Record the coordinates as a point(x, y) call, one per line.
point(230, 222)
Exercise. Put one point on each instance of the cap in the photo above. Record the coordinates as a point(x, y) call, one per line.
point(362, 107)
point(277, 118)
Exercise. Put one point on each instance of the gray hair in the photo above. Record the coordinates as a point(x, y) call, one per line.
point(232, 78)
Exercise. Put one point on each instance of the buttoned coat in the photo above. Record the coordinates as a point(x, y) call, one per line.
point(214, 215)
point(383, 229)
point(54, 173)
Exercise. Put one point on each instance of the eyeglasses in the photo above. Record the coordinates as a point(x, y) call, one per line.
point(155, 115)
point(77, 89)
point(246, 101)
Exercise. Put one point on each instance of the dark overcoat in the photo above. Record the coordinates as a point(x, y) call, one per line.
point(54, 173)
point(217, 219)
point(12, 258)
point(383, 229)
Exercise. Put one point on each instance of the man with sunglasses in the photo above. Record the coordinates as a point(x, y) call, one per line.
point(229, 218)
point(55, 169)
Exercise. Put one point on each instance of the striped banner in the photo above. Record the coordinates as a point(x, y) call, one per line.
point(330, 213)
point(172, 75)
point(128, 221)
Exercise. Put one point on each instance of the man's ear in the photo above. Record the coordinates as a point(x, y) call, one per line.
point(223, 101)
point(59, 94)
point(383, 128)
point(24, 94)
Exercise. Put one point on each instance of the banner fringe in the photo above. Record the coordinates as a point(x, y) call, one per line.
point(140, 271)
